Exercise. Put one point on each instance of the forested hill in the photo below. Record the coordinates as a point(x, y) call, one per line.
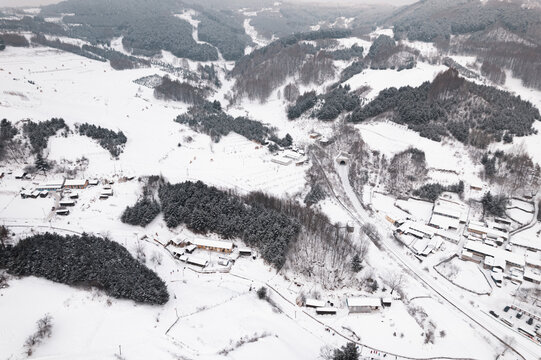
point(260, 72)
point(502, 34)
point(148, 27)
point(452, 106)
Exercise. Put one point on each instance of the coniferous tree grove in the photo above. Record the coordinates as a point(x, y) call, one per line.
point(108, 139)
point(204, 208)
point(474, 114)
point(303, 103)
point(179, 91)
point(85, 261)
point(39, 133)
point(142, 213)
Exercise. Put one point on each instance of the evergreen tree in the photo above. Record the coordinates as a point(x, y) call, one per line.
point(356, 264)
point(41, 164)
point(347, 352)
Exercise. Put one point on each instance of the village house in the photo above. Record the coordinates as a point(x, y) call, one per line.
point(52, 185)
point(476, 227)
point(363, 304)
point(75, 184)
point(213, 245)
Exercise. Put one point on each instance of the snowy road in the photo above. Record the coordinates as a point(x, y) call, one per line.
point(523, 346)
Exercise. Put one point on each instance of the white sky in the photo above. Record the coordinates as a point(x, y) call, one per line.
point(17, 3)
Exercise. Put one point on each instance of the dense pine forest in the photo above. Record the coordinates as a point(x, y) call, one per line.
point(450, 105)
point(87, 261)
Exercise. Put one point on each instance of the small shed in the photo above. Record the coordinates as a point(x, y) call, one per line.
point(190, 249)
point(20, 175)
point(43, 193)
point(326, 311)
point(314, 303)
point(363, 304)
point(74, 195)
point(387, 301)
point(244, 251)
point(62, 211)
point(93, 182)
point(66, 203)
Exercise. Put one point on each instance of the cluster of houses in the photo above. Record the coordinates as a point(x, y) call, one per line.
point(484, 245)
point(448, 215)
point(183, 249)
point(289, 156)
point(359, 304)
point(43, 189)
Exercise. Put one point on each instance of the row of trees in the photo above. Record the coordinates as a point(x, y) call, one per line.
point(141, 213)
point(85, 261)
point(210, 119)
point(16, 40)
point(472, 113)
point(108, 139)
point(179, 91)
point(7, 133)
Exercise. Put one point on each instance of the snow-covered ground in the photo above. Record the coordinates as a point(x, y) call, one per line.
point(218, 312)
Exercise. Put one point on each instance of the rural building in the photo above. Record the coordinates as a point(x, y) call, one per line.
point(66, 203)
point(387, 301)
point(75, 184)
point(244, 251)
point(52, 185)
point(93, 182)
point(476, 185)
point(532, 276)
point(63, 211)
point(190, 249)
point(526, 242)
point(416, 229)
point(363, 304)
point(314, 303)
point(448, 213)
point(326, 311)
point(213, 245)
point(532, 259)
point(483, 250)
point(74, 195)
point(194, 260)
point(281, 160)
point(177, 252)
point(43, 193)
point(481, 229)
point(315, 135)
point(20, 175)
point(292, 155)
point(469, 256)
point(492, 263)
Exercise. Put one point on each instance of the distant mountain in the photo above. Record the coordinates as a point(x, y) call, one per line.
point(503, 34)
